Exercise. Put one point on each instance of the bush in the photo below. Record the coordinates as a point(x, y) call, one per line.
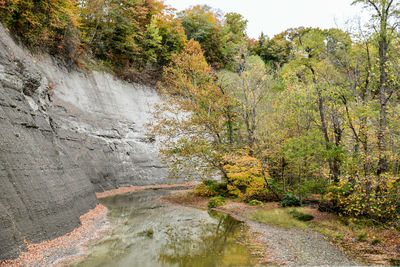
point(209, 182)
point(220, 188)
point(362, 237)
point(375, 241)
point(211, 188)
point(204, 191)
point(301, 216)
point(373, 198)
point(246, 176)
point(216, 202)
point(290, 200)
point(255, 202)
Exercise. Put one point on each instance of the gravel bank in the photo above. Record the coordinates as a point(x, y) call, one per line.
point(281, 246)
point(296, 247)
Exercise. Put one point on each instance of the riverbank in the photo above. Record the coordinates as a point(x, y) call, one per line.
point(131, 189)
point(68, 247)
point(48, 253)
point(323, 241)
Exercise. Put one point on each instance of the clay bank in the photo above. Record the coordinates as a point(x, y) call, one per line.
point(65, 135)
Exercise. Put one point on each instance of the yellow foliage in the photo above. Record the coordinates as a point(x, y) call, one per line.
point(204, 191)
point(377, 198)
point(245, 175)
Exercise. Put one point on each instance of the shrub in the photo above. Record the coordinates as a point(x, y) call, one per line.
point(362, 238)
point(375, 241)
point(209, 182)
point(220, 188)
point(245, 175)
point(301, 216)
point(374, 198)
point(290, 200)
point(204, 191)
point(211, 188)
point(216, 202)
point(255, 202)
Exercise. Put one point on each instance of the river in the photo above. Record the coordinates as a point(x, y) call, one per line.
point(148, 232)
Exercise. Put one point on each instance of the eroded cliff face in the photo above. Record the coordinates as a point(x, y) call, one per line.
point(63, 136)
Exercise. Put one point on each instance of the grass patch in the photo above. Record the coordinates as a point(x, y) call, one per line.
point(280, 217)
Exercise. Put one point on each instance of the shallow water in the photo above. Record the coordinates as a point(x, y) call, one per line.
point(149, 233)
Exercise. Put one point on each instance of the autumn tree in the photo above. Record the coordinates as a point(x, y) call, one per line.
point(275, 51)
point(385, 21)
point(203, 24)
point(248, 87)
point(234, 38)
point(191, 121)
point(46, 24)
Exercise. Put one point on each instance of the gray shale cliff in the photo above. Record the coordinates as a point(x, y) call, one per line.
point(65, 135)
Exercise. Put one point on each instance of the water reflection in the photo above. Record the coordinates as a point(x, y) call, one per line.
point(147, 233)
point(218, 244)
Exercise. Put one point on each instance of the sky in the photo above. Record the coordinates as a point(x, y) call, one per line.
point(275, 16)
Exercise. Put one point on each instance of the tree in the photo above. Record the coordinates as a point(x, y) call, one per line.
point(248, 87)
point(191, 121)
point(47, 24)
point(275, 51)
point(234, 37)
point(384, 23)
point(202, 24)
point(312, 67)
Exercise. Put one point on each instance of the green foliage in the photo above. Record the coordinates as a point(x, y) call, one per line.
point(216, 202)
point(275, 51)
point(312, 186)
point(290, 200)
point(362, 237)
point(204, 191)
point(211, 188)
point(301, 216)
point(202, 24)
point(210, 182)
point(339, 236)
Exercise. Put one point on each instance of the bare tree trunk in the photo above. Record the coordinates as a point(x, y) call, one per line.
point(269, 185)
point(283, 174)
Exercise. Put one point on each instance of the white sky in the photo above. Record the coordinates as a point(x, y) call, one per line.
point(275, 16)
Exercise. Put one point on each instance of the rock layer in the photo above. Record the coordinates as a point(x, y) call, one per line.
point(63, 136)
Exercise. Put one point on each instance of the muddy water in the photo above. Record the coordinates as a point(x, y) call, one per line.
point(149, 233)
